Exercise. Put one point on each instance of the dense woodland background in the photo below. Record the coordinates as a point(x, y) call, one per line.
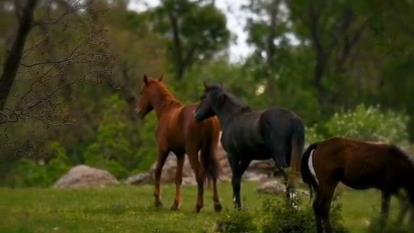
point(71, 72)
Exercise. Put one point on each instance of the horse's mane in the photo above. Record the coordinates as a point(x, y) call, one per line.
point(169, 97)
point(231, 98)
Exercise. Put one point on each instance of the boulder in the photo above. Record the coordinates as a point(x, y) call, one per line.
point(272, 186)
point(83, 176)
point(168, 173)
point(142, 178)
point(276, 187)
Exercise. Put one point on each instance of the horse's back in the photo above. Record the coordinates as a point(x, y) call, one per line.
point(359, 164)
point(243, 136)
point(280, 128)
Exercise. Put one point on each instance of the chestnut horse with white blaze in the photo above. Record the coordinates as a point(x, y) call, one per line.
point(359, 165)
point(180, 133)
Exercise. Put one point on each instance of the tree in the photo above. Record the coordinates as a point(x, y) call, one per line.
point(49, 77)
point(14, 57)
point(194, 32)
point(266, 27)
point(334, 29)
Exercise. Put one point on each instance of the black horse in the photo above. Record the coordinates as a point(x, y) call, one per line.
point(249, 135)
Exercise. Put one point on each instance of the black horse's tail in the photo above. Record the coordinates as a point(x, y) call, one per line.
point(307, 175)
point(297, 146)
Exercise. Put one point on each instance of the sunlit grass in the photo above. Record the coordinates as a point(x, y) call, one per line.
point(130, 209)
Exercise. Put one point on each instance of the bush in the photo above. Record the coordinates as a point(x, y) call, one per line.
point(281, 218)
point(277, 216)
point(29, 173)
point(236, 221)
point(363, 123)
point(114, 148)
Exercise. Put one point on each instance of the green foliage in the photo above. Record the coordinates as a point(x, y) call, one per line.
point(147, 151)
point(364, 123)
point(281, 218)
point(29, 173)
point(276, 216)
point(113, 148)
point(193, 32)
point(235, 221)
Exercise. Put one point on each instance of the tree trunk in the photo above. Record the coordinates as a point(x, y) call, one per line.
point(12, 62)
point(271, 88)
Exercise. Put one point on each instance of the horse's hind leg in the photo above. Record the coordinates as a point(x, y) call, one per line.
point(210, 165)
point(216, 199)
point(178, 180)
point(162, 156)
point(385, 207)
point(317, 212)
point(200, 175)
point(322, 207)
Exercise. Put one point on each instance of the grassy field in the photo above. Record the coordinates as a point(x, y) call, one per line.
point(130, 209)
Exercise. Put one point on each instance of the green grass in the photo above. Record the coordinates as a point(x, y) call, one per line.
point(130, 209)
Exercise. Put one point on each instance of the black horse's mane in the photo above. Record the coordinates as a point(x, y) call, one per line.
point(231, 98)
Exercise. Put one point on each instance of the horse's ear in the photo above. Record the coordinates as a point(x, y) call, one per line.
point(160, 78)
point(206, 86)
point(145, 79)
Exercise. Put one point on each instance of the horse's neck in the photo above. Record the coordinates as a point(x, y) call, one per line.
point(165, 104)
point(227, 113)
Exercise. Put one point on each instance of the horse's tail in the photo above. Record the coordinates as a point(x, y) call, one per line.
point(307, 175)
point(297, 146)
point(208, 158)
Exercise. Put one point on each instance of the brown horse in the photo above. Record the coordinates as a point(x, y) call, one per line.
point(359, 165)
point(180, 133)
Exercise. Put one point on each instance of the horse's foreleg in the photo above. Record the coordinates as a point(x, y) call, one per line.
point(178, 180)
point(162, 156)
point(238, 168)
point(385, 207)
point(200, 175)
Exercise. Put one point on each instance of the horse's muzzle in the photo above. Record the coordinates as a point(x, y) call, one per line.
point(197, 116)
point(140, 113)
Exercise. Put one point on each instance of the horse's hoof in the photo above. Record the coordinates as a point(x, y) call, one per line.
point(198, 209)
point(218, 207)
point(158, 204)
point(175, 207)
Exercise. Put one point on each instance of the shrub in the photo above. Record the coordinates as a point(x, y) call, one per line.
point(114, 148)
point(281, 218)
point(364, 123)
point(38, 173)
point(236, 221)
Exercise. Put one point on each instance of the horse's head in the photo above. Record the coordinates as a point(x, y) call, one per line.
point(212, 95)
point(145, 104)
